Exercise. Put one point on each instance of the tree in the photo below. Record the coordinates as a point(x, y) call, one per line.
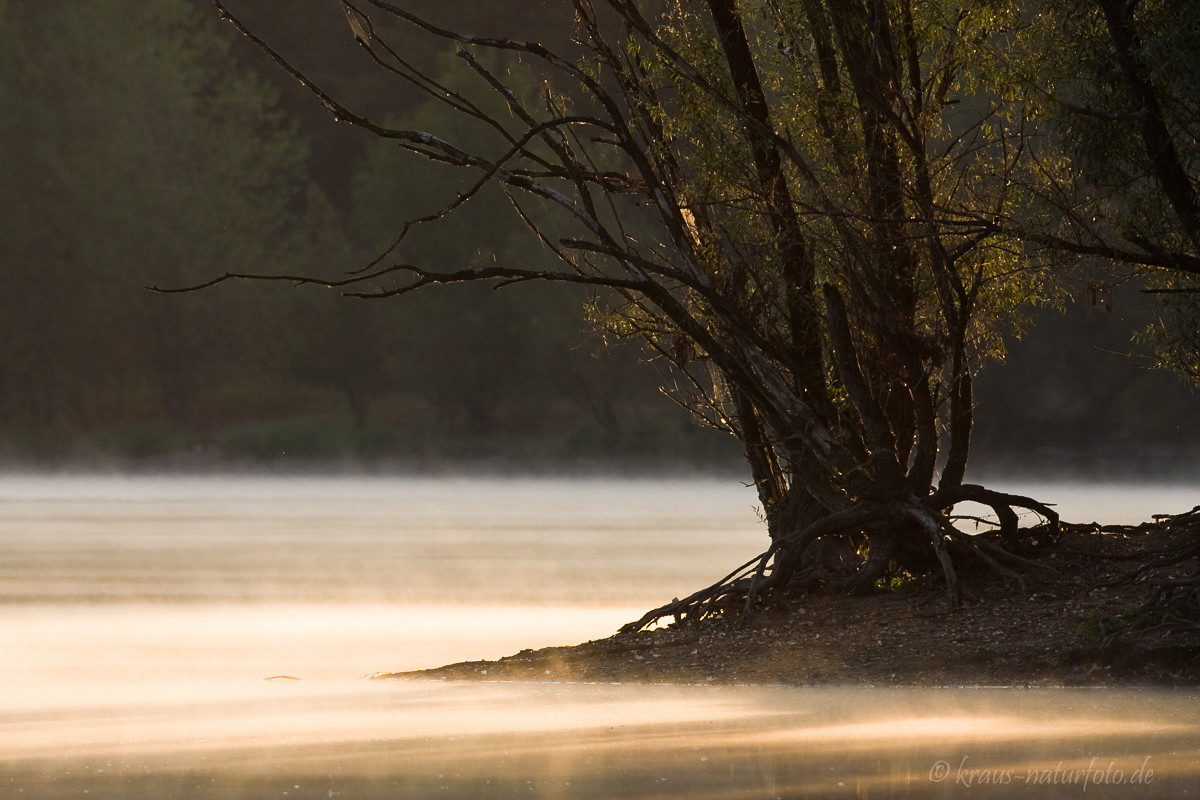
point(794, 204)
point(1118, 80)
point(1117, 83)
point(1158, 61)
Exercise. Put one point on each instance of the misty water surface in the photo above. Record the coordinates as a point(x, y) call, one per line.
point(140, 619)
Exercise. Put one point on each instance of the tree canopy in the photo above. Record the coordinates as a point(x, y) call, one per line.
point(1116, 82)
point(805, 208)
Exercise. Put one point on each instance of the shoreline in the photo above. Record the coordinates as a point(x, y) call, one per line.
point(588, 663)
point(1080, 623)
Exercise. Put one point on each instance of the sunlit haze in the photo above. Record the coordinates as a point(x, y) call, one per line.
point(156, 628)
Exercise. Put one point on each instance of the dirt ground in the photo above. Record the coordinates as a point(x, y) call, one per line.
point(1076, 623)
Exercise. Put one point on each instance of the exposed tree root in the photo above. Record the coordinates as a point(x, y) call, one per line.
point(1175, 576)
point(905, 536)
point(1004, 506)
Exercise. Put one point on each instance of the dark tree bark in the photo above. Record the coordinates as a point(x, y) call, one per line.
point(1156, 137)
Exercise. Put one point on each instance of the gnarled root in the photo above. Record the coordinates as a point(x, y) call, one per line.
point(908, 534)
point(1004, 506)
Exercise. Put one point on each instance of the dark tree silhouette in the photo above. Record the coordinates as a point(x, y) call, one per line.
point(797, 205)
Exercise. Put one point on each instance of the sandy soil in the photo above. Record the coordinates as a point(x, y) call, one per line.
point(1077, 623)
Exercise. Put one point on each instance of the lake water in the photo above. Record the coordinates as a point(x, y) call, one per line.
point(210, 638)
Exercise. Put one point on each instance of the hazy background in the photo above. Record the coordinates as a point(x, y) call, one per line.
point(148, 144)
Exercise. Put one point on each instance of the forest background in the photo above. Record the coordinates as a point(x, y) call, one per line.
point(125, 163)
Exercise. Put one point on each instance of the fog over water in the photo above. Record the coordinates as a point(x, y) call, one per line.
point(141, 618)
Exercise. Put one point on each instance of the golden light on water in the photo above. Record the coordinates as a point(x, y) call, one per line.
point(572, 740)
point(592, 716)
point(138, 672)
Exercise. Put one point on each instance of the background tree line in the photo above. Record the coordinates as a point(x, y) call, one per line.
point(125, 163)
